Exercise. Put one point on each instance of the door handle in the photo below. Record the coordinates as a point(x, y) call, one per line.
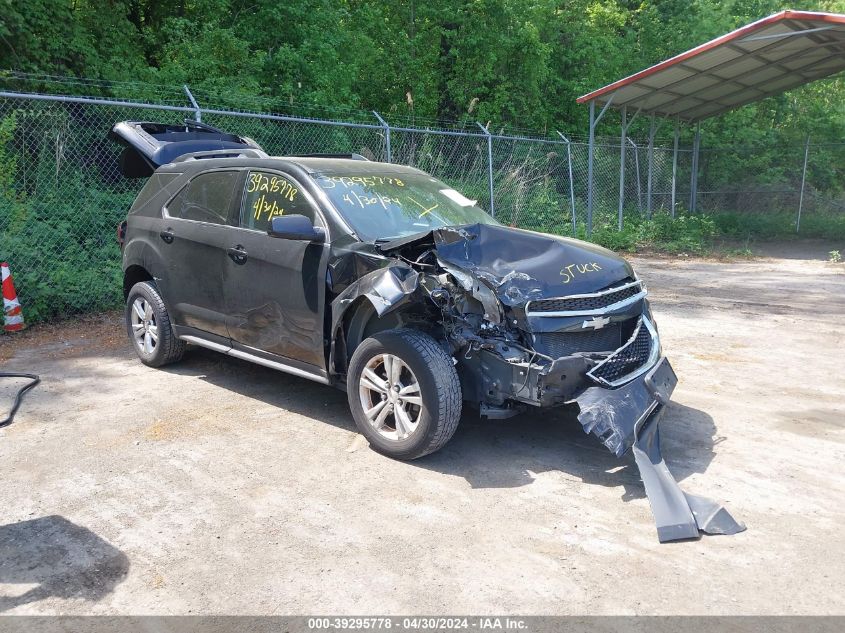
point(238, 254)
point(167, 236)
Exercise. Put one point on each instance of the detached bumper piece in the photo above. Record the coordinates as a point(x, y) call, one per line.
point(678, 515)
point(629, 417)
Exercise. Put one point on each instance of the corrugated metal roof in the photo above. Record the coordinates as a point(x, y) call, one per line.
point(765, 58)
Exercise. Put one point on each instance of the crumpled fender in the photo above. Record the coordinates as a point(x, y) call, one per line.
point(386, 289)
point(478, 289)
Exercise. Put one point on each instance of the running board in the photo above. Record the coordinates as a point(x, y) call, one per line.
point(230, 351)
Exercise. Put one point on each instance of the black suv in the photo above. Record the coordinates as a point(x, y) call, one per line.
point(381, 280)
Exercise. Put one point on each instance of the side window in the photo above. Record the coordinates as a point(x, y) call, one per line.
point(267, 195)
point(154, 186)
point(207, 198)
point(175, 205)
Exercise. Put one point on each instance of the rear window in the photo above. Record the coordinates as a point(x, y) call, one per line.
point(155, 184)
point(207, 198)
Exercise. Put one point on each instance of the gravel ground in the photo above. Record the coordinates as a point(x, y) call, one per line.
point(215, 486)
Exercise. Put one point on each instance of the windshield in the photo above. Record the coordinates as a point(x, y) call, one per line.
point(396, 204)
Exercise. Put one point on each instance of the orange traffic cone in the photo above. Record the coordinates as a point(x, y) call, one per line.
point(11, 305)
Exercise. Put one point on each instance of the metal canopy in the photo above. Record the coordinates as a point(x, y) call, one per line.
point(763, 59)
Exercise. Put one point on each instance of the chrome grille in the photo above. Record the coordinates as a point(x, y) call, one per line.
point(587, 303)
point(636, 354)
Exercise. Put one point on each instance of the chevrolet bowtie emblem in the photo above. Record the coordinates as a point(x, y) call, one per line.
point(596, 323)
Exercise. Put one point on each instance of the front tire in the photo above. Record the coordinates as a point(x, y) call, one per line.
point(149, 327)
point(404, 393)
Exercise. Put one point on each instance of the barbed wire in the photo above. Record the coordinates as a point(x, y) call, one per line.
point(250, 103)
point(247, 103)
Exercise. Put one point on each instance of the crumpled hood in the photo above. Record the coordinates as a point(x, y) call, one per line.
point(521, 265)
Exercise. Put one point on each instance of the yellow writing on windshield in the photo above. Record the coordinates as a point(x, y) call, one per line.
point(426, 211)
point(353, 198)
point(347, 182)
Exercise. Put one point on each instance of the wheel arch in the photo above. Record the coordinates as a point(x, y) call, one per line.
point(361, 320)
point(358, 321)
point(134, 274)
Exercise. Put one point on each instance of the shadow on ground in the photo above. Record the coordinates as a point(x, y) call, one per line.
point(62, 559)
point(487, 453)
point(510, 453)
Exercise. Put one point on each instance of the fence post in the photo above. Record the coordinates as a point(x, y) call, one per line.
point(194, 104)
point(571, 183)
point(489, 166)
point(651, 132)
point(622, 146)
point(803, 180)
point(675, 166)
point(696, 147)
point(637, 166)
point(591, 150)
point(386, 136)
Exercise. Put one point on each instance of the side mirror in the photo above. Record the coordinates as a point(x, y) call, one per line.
point(295, 227)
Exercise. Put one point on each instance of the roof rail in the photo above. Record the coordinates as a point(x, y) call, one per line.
point(349, 156)
point(247, 152)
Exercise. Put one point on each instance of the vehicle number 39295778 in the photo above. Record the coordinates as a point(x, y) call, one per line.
point(417, 623)
point(387, 623)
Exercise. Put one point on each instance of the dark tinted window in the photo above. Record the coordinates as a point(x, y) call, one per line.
point(154, 185)
point(267, 195)
point(207, 198)
point(174, 206)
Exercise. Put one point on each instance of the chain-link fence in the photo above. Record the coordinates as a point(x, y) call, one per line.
point(62, 195)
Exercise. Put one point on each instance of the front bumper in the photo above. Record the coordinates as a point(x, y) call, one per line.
point(615, 415)
point(629, 418)
point(621, 396)
point(678, 515)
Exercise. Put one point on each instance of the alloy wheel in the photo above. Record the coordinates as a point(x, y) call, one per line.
point(390, 396)
point(144, 328)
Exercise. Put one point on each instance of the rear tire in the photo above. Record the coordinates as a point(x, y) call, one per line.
point(404, 393)
point(149, 328)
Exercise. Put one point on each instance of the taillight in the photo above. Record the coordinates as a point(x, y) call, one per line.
point(121, 233)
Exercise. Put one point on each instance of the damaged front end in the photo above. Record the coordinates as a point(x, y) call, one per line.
point(537, 321)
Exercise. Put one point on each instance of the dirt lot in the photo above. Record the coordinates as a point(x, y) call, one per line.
point(215, 486)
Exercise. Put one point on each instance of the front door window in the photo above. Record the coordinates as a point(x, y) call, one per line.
point(268, 195)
